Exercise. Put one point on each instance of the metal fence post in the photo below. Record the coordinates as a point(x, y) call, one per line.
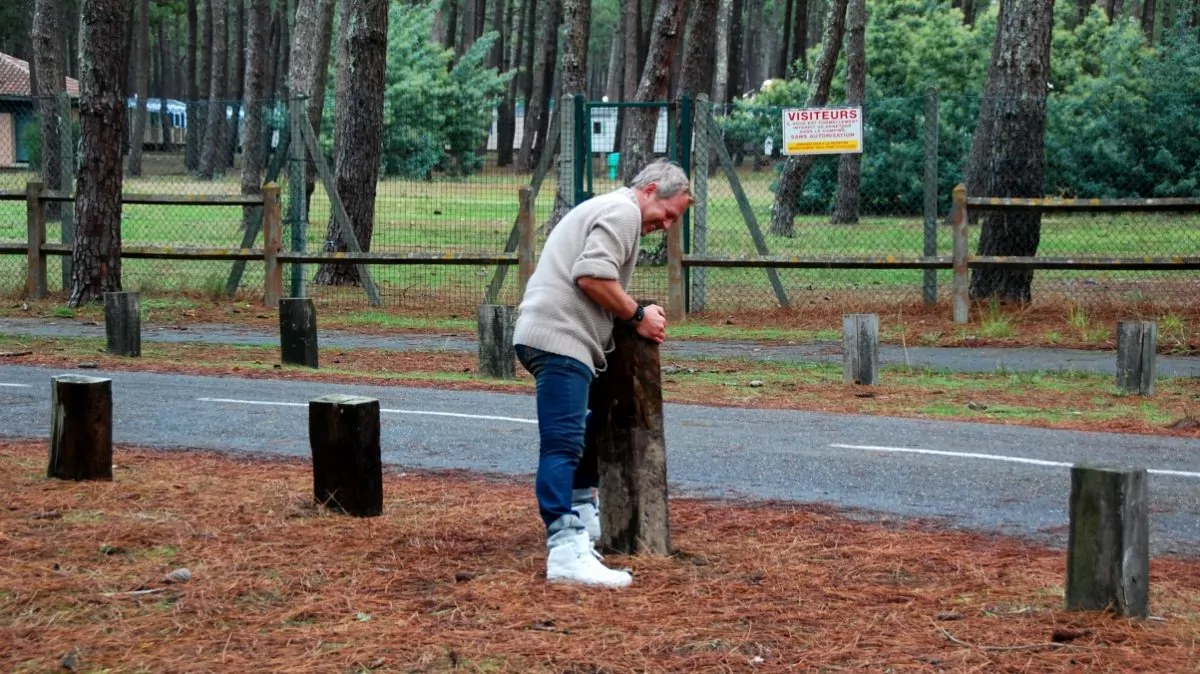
point(929, 288)
point(526, 241)
point(685, 160)
point(297, 194)
point(698, 277)
point(66, 150)
point(568, 155)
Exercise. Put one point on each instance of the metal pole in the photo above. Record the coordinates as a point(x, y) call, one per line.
point(929, 288)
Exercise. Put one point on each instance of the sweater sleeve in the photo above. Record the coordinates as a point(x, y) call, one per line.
point(610, 241)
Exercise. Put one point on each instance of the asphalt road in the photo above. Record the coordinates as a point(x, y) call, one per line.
point(1012, 480)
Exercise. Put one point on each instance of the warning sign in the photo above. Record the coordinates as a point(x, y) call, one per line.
point(822, 131)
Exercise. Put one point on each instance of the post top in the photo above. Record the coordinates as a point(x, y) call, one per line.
point(79, 379)
point(343, 399)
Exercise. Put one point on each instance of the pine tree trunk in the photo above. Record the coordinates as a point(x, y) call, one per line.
point(257, 56)
point(734, 79)
point(577, 16)
point(535, 103)
point(96, 252)
point(798, 51)
point(236, 90)
point(720, 88)
point(845, 212)
point(48, 61)
point(1016, 152)
point(214, 135)
point(631, 17)
point(698, 49)
point(309, 64)
point(981, 141)
point(1148, 8)
point(506, 122)
point(137, 141)
point(638, 140)
point(795, 169)
point(165, 88)
point(357, 162)
point(191, 152)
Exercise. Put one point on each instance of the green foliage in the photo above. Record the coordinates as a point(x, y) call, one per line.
point(1123, 118)
point(436, 112)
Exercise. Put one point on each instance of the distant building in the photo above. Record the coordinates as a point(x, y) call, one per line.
point(604, 130)
point(176, 113)
point(18, 110)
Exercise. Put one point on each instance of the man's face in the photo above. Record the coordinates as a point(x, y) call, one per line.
point(662, 213)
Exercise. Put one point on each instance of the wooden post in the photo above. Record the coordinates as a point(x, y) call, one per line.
point(272, 224)
point(958, 218)
point(496, 355)
point(343, 432)
point(80, 428)
point(1108, 553)
point(675, 303)
point(298, 331)
point(123, 324)
point(527, 241)
point(1137, 342)
point(35, 259)
point(860, 349)
point(625, 436)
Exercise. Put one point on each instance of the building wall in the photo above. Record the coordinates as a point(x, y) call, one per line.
point(8, 140)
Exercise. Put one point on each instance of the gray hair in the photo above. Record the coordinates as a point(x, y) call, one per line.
point(667, 175)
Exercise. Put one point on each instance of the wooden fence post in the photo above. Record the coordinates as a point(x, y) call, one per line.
point(123, 324)
point(527, 241)
point(676, 311)
point(35, 259)
point(80, 428)
point(860, 349)
point(343, 432)
point(272, 224)
point(1137, 342)
point(958, 219)
point(625, 436)
point(1108, 554)
point(298, 331)
point(496, 355)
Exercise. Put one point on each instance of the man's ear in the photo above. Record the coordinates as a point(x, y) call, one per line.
point(651, 190)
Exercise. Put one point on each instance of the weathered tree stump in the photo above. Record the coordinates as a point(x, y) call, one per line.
point(860, 349)
point(343, 432)
point(80, 428)
point(496, 356)
point(625, 436)
point(1108, 554)
point(1136, 345)
point(123, 324)
point(298, 331)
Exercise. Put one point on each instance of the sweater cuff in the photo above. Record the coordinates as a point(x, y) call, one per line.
point(600, 269)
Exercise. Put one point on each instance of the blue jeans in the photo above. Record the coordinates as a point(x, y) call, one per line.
point(562, 409)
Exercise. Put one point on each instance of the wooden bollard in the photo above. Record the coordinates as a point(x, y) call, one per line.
point(1108, 554)
point(496, 356)
point(625, 436)
point(1136, 344)
point(80, 428)
point(343, 432)
point(298, 331)
point(123, 323)
point(860, 349)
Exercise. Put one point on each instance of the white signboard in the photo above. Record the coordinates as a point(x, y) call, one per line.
point(822, 131)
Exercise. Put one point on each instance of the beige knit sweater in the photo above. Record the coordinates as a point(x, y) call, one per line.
point(598, 238)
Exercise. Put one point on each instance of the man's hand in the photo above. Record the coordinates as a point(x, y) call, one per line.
point(653, 325)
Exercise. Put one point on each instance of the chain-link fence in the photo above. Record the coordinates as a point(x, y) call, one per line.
point(462, 201)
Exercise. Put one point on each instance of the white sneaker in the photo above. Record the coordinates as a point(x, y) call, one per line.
point(589, 514)
point(571, 559)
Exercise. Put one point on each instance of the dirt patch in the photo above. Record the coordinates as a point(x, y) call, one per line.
point(452, 577)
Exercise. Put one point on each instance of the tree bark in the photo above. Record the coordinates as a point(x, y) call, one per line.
point(1016, 144)
point(96, 251)
point(752, 35)
point(613, 78)
point(137, 141)
point(48, 62)
point(1148, 8)
point(631, 17)
point(795, 169)
point(253, 147)
point(191, 153)
point(165, 88)
point(698, 49)
point(720, 89)
point(210, 151)
point(845, 212)
point(341, 85)
point(735, 78)
point(638, 135)
point(309, 64)
point(357, 162)
point(577, 19)
point(506, 116)
point(535, 103)
point(236, 89)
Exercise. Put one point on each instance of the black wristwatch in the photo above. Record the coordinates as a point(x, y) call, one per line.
point(638, 315)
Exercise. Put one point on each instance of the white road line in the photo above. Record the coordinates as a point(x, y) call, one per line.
point(2, 384)
point(486, 417)
point(995, 457)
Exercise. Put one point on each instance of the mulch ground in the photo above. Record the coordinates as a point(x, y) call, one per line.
point(452, 577)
